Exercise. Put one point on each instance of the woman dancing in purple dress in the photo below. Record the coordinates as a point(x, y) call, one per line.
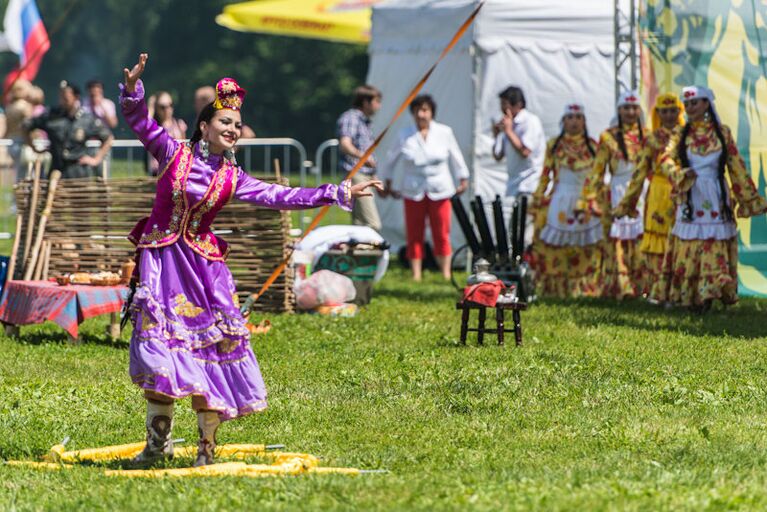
point(189, 337)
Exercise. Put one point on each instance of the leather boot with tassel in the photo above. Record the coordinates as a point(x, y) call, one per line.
point(207, 424)
point(159, 424)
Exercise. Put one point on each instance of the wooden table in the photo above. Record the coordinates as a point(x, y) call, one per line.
point(34, 302)
point(515, 307)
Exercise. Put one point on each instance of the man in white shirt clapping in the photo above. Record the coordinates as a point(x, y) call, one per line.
point(519, 137)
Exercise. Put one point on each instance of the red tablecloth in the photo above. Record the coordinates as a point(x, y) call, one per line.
point(34, 302)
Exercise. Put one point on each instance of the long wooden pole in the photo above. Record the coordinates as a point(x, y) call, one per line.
point(35, 253)
point(47, 259)
point(366, 155)
point(34, 194)
point(40, 262)
point(15, 249)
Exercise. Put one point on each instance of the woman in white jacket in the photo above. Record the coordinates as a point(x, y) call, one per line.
point(431, 162)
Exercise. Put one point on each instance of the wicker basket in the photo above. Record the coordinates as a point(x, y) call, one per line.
point(105, 281)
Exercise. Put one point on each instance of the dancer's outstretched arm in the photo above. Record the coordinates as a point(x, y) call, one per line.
point(272, 195)
point(153, 136)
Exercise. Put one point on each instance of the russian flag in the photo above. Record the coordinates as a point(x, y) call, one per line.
point(26, 36)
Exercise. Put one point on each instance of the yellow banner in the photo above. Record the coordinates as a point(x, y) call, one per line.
point(721, 44)
point(344, 21)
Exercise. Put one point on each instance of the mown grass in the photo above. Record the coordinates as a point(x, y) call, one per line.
point(606, 407)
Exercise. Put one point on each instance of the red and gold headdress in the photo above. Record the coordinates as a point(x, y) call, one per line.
point(229, 94)
point(666, 100)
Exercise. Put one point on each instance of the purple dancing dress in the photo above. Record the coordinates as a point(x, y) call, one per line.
point(189, 337)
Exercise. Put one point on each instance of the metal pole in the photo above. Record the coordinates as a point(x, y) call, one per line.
point(633, 41)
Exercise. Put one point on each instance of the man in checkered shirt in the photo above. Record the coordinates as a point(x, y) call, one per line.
point(355, 137)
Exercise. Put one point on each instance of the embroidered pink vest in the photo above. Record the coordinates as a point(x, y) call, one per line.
point(172, 217)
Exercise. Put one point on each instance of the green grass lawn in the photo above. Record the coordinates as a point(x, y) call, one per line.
point(606, 407)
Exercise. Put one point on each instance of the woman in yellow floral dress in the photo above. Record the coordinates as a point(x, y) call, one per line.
point(701, 263)
point(667, 120)
point(566, 252)
point(619, 149)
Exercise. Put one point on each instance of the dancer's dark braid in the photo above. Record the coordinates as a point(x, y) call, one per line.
point(556, 142)
point(621, 138)
point(725, 206)
point(681, 150)
point(589, 144)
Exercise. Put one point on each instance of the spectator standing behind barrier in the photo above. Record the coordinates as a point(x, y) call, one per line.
point(431, 161)
point(161, 110)
point(99, 106)
point(203, 96)
point(354, 138)
point(19, 109)
point(69, 127)
point(519, 137)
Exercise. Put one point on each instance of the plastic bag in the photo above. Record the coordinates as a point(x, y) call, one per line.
point(324, 288)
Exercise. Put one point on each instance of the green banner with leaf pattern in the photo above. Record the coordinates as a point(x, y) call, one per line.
point(721, 44)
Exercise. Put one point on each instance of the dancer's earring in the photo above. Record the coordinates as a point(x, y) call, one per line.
point(204, 148)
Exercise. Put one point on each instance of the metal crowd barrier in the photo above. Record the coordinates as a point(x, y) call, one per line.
point(326, 152)
point(127, 158)
point(255, 155)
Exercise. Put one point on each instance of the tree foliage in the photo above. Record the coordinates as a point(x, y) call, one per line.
point(296, 87)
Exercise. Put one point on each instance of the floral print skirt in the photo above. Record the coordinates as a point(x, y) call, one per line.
point(624, 270)
point(696, 271)
point(567, 271)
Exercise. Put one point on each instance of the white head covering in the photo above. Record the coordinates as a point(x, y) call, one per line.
point(571, 107)
point(693, 92)
point(628, 98)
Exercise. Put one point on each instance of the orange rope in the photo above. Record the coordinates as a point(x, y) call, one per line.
point(364, 158)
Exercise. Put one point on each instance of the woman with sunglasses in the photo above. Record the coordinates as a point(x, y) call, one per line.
point(701, 263)
point(667, 120)
point(619, 149)
point(566, 252)
point(161, 109)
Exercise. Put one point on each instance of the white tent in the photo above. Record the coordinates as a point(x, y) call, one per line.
point(555, 50)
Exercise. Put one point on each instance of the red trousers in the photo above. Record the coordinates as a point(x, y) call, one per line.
point(439, 213)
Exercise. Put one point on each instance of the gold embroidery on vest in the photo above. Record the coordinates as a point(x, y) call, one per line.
point(204, 207)
point(179, 200)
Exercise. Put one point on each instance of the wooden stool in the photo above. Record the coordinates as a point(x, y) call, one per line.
point(515, 307)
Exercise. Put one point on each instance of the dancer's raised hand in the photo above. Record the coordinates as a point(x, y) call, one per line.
point(132, 75)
